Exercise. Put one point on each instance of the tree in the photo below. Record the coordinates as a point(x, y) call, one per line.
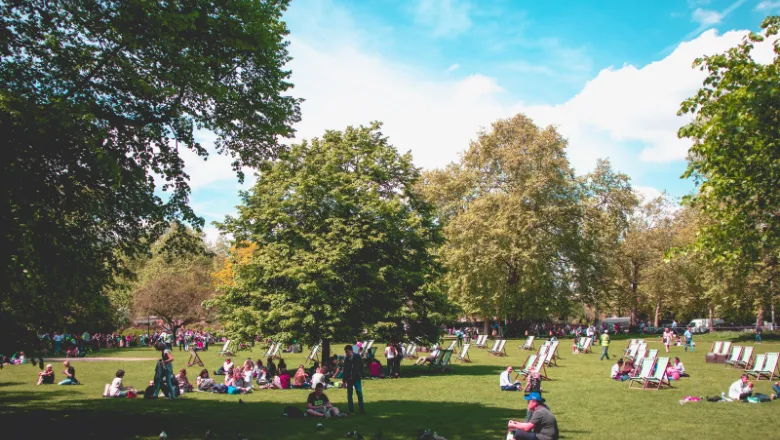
point(97, 99)
point(512, 214)
point(343, 244)
point(172, 286)
point(735, 157)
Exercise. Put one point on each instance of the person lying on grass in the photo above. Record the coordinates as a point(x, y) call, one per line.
point(70, 375)
point(318, 404)
point(46, 376)
point(741, 389)
point(540, 426)
point(505, 382)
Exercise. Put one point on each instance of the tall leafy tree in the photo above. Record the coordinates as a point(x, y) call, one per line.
point(97, 98)
point(735, 157)
point(513, 219)
point(343, 244)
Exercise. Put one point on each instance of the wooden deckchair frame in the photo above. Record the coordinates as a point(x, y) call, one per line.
point(769, 369)
point(660, 377)
point(194, 358)
point(647, 368)
point(714, 350)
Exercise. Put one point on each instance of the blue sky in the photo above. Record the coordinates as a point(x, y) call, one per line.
point(609, 74)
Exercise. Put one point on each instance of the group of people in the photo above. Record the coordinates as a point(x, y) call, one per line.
point(623, 370)
point(539, 423)
point(46, 376)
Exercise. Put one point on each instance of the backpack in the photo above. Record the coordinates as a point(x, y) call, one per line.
point(292, 412)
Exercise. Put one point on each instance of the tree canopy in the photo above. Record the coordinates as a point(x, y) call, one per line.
point(97, 100)
point(343, 244)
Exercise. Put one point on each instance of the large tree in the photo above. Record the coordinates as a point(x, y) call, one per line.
point(97, 100)
point(343, 244)
point(735, 157)
point(513, 223)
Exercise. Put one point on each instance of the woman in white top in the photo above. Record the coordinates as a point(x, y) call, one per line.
point(117, 388)
point(318, 377)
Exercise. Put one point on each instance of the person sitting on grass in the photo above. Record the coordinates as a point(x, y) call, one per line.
point(540, 426)
point(318, 404)
point(299, 380)
point(533, 381)
point(505, 382)
point(776, 389)
point(46, 376)
point(284, 379)
point(271, 368)
point(431, 358)
point(184, 383)
point(375, 369)
point(741, 389)
point(226, 366)
point(235, 383)
point(260, 373)
point(203, 381)
point(672, 372)
point(149, 391)
point(617, 371)
point(18, 359)
point(117, 388)
point(70, 375)
point(680, 367)
point(337, 368)
point(318, 377)
point(282, 364)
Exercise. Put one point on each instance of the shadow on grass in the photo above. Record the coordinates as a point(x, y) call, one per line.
point(29, 415)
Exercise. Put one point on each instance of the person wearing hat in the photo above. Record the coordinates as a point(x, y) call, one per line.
point(541, 425)
point(604, 345)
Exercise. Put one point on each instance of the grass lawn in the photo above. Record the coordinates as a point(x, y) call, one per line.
point(466, 404)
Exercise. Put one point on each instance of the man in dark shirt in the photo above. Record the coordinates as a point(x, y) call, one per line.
point(318, 404)
point(353, 375)
point(542, 424)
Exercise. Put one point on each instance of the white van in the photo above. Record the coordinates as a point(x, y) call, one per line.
point(703, 325)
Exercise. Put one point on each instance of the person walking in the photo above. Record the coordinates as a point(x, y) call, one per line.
point(604, 345)
point(164, 371)
point(353, 375)
point(759, 330)
point(689, 339)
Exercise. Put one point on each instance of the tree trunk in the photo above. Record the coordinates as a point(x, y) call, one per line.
point(760, 315)
point(326, 352)
point(634, 295)
point(712, 313)
point(657, 312)
point(485, 329)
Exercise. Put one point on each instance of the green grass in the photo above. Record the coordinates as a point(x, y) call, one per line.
point(462, 405)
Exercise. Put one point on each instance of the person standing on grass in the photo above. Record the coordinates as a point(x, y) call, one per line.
point(541, 426)
point(604, 345)
point(505, 381)
point(759, 330)
point(391, 353)
point(166, 365)
point(666, 339)
point(353, 375)
point(688, 339)
point(57, 338)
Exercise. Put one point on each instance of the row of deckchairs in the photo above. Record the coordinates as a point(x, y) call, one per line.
point(765, 366)
point(545, 357)
point(650, 378)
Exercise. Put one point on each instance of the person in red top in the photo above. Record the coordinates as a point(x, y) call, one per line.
point(284, 378)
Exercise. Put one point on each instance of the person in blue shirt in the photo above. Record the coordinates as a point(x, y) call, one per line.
point(688, 339)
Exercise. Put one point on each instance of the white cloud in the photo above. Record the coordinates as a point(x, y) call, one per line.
point(647, 193)
point(706, 17)
point(443, 17)
point(768, 5)
point(453, 68)
point(211, 234)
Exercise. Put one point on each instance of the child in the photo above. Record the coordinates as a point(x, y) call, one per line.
point(204, 382)
point(117, 388)
point(46, 376)
point(680, 367)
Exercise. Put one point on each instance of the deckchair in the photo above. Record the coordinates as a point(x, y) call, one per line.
point(652, 354)
point(769, 370)
point(464, 353)
point(529, 344)
point(500, 350)
point(747, 358)
point(494, 347)
point(736, 352)
point(368, 346)
point(758, 364)
point(225, 349)
point(452, 345)
point(314, 354)
point(645, 372)
point(550, 358)
point(631, 351)
point(481, 341)
point(724, 352)
point(538, 366)
point(633, 345)
point(714, 350)
point(411, 352)
point(585, 347)
point(270, 350)
point(529, 362)
point(194, 358)
point(444, 365)
point(660, 378)
point(275, 354)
